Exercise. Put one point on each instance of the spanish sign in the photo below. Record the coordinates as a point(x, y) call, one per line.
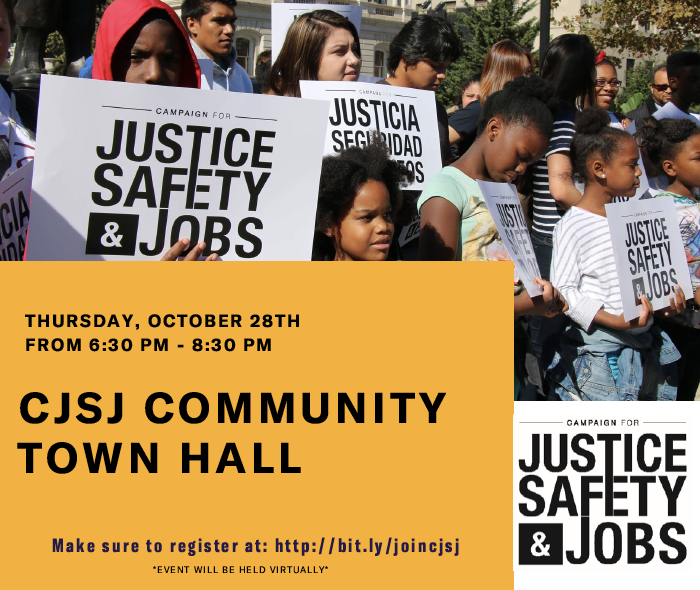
point(405, 118)
point(14, 212)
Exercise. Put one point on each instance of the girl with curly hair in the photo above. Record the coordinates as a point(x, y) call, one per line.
point(359, 192)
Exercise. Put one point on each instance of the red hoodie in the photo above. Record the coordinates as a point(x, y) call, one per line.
point(118, 19)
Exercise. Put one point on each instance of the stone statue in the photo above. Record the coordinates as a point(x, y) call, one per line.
point(36, 20)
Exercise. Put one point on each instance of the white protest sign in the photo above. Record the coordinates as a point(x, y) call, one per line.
point(206, 68)
point(148, 165)
point(643, 180)
point(649, 253)
point(406, 119)
point(284, 14)
point(15, 193)
point(504, 205)
point(671, 111)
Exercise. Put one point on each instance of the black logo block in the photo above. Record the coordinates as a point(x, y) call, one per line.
point(541, 544)
point(638, 290)
point(111, 233)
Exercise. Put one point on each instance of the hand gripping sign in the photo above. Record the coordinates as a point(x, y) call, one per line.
point(129, 169)
point(504, 205)
point(14, 212)
point(405, 118)
point(649, 253)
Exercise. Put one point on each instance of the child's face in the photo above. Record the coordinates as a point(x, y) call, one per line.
point(510, 149)
point(686, 164)
point(151, 55)
point(365, 233)
point(623, 172)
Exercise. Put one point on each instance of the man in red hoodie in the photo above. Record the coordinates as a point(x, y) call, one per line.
point(144, 42)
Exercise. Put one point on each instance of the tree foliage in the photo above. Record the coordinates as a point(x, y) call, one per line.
point(499, 19)
point(619, 24)
point(637, 81)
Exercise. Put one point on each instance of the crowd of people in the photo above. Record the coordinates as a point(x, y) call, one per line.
point(550, 129)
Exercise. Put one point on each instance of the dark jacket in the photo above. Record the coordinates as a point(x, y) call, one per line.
point(643, 112)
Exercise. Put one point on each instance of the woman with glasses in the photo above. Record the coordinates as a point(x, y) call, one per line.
point(606, 88)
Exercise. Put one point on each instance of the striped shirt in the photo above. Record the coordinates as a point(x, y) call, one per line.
point(545, 211)
point(583, 267)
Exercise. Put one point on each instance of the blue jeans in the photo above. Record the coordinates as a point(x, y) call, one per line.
point(646, 364)
point(545, 332)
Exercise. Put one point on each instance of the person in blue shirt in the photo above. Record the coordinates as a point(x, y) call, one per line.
point(211, 26)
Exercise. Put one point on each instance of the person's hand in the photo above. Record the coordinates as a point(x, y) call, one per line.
point(550, 303)
point(181, 245)
point(642, 320)
point(677, 303)
point(696, 298)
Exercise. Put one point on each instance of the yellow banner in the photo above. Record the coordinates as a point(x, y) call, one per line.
point(278, 425)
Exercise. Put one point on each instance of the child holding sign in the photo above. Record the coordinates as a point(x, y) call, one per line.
point(673, 146)
point(358, 191)
point(601, 355)
point(513, 132)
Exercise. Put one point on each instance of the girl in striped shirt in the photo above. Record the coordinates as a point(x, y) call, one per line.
point(603, 356)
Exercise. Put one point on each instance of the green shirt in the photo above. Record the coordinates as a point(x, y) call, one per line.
point(478, 236)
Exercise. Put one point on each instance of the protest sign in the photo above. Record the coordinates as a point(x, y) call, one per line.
point(405, 118)
point(671, 111)
point(15, 191)
point(284, 14)
point(649, 253)
point(206, 68)
point(148, 165)
point(643, 180)
point(504, 205)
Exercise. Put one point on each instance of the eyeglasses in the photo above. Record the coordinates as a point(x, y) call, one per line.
point(660, 87)
point(603, 83)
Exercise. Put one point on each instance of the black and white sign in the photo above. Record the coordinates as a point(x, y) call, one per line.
point(128, 169)
point(15, 192)
point(599, 489)
point(504, 205)
point(649, 253)
point(405, 118)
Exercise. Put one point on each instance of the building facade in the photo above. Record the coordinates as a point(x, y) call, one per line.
point(381, 21)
